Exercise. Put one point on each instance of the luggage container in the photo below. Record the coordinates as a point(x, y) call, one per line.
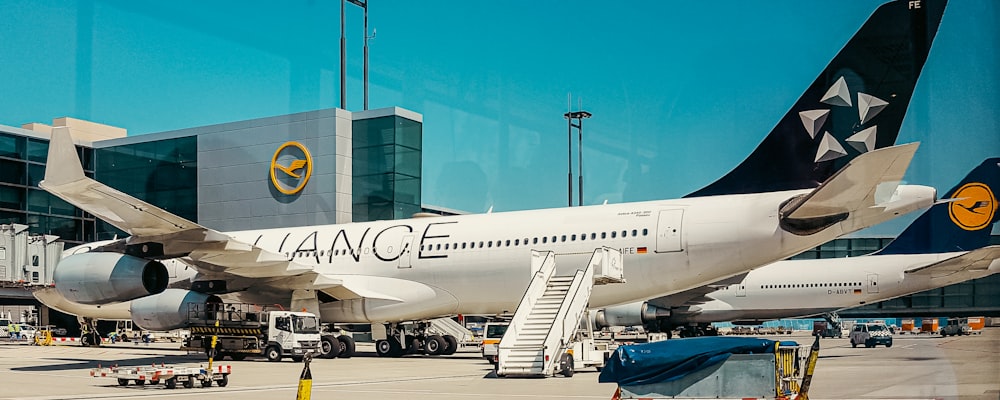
point(929, 325)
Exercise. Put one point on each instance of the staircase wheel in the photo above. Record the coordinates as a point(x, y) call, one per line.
point(566, 365)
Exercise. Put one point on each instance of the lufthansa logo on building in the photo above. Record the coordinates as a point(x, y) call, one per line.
point(976, 208)
point(291, 178)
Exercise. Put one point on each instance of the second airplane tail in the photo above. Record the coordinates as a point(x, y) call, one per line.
point(856, 105)
point(962, 222)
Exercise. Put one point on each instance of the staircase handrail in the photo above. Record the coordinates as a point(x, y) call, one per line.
point(558, 339)
point(536, 288)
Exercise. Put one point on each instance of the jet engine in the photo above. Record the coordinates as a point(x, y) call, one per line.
point(100, 278)
point(629, 315)
point(168, 310)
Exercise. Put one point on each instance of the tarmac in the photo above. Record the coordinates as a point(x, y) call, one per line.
point(915, 367)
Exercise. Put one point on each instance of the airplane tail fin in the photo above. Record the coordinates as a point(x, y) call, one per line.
point(856, 104)
point(964, 223)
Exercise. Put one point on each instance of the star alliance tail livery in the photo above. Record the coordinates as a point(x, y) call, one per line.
point(856, 104)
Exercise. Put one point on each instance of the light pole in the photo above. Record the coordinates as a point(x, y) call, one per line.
point(579, 116)
point(364, 5)
point(343, 58)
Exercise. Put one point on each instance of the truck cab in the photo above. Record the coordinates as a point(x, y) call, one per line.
point(492, 333)
point(291, 334)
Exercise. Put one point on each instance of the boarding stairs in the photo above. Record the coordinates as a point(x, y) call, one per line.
point(448, 326)
point(833, 318)
point(550, 311)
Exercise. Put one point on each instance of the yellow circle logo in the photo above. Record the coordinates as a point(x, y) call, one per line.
point(976, 206)
point(291, 178)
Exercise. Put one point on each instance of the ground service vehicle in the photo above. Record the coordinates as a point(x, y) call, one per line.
point(245, 330)
point(871, 335)
point(169, 375)
point(824, 329)
point(956, 327)
point(492, 333)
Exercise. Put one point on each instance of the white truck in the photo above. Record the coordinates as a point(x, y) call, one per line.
point(242, 330)
point(490, 346)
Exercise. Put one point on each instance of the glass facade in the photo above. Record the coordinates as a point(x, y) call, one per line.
point(162, 172)
point(22, 167)
point(386, 168)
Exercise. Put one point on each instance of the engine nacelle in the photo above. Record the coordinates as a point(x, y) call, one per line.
point(100, 278)
point(168, 310)
point(629, 315)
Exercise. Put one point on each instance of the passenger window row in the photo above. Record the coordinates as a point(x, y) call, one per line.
point(488, 244)
point(497, 243)
point(811, 285)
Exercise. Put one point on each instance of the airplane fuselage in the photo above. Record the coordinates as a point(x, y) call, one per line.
point(480, 264)
point(800, 288)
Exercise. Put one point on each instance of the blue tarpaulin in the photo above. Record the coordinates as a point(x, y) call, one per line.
point(670, 360)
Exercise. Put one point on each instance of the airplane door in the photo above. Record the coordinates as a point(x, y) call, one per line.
point(404, 252)
point(872, 283)
point(668, 231)
point(741, 290)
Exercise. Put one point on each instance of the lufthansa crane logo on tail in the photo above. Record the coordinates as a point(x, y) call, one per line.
point(290, 174)
point(976, 208)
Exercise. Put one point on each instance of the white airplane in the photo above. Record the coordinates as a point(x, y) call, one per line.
point(390, 272)
point(948, 244)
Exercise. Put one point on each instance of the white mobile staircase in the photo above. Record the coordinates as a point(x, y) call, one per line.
point(448, 326)
point(549, 313)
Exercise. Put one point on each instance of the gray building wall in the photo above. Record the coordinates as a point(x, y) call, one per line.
point(234, 161)
point(234, 187)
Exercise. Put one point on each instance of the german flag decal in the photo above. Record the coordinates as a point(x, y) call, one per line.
point(857, 291)
point(641, 250)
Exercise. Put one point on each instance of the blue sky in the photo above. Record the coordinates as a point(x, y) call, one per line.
point(670, 84)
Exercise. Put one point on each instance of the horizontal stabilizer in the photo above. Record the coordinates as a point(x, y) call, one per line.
point(867, 181)
point(976, 260)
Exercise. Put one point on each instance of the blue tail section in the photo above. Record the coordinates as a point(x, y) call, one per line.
point(856, 104)
point(960, 225)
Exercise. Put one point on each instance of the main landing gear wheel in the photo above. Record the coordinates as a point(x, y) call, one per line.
point(452, 345)
point(346, 346)
point(388, 348)
point(413, 345)
point(435, 345)
point(329, 347)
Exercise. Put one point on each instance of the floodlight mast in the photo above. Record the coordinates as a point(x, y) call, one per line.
point(579, 116)
point(343, 58)
point(364, 5)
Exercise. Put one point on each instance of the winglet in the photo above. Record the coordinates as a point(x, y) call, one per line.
point(63, 164)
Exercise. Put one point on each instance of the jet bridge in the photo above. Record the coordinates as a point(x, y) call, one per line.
point(27, 259)
point(550, 312)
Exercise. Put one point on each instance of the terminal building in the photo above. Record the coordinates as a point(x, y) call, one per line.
point(319, 167)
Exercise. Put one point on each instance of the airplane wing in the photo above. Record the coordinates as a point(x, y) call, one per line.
point(866, 182)
point(695, 296)
point(976, 260)
point(156, 233)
